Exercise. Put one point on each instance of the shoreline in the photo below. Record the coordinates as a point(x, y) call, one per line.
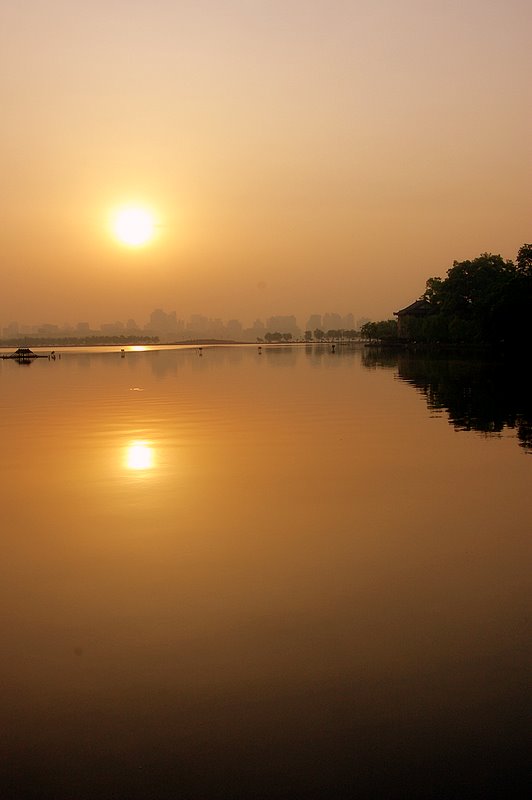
point(181, 343)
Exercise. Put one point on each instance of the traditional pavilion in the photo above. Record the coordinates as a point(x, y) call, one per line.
point(417, 310)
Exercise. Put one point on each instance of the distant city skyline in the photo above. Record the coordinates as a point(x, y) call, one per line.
point(167, 325)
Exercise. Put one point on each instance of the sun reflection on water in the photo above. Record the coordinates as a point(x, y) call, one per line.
point(139, 456)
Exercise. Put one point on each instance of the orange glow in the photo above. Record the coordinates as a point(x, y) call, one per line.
point(139, 456)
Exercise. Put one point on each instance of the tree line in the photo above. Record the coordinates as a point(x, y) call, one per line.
point(95, 339)
point(375, 331)
point(311, 336)
point(485, 301)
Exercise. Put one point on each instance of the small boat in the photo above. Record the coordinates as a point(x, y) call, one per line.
point(24, 355)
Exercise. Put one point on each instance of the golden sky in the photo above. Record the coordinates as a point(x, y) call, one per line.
point(299, 155)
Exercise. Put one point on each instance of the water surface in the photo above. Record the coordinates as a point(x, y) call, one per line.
point(230, 573)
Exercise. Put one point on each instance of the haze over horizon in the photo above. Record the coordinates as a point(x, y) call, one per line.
point(297, 157)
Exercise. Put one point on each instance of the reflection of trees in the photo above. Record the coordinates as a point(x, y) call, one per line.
point(481, 396)
point(373, 357)
point(322, 355)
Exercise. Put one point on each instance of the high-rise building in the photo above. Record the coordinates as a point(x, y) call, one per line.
point(332, 321)
point(234, 329)
point(163, 323)
point(11, 330)
point(348, 322)
point(280, 324)
point(313, 322)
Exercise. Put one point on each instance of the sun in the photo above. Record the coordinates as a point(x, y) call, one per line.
point(133, 226)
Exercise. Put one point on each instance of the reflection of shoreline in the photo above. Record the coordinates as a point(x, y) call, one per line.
point(487, 397)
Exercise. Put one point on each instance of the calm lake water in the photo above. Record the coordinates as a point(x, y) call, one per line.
point(263, 575)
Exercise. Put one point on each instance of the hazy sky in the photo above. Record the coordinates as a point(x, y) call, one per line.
point(300, 156)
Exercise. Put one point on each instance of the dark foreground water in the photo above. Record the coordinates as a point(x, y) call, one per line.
point(284, 574)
